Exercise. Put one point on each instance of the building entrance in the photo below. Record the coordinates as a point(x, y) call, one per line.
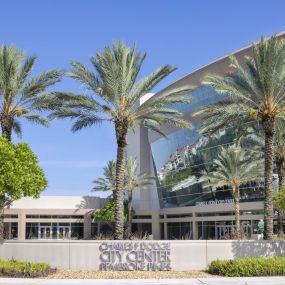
point(45, 232)
point(64, 232)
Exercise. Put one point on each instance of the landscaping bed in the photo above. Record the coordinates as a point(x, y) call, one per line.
point(19, 269)
point(247, 267)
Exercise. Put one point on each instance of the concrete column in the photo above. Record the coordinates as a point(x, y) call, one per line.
point(165, 231)
point(87, 225)
point(21, 225)
point(195, 230)
point(155, 226)
point(194, 227)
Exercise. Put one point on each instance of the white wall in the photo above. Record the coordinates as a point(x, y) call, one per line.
point(184, 255)
point(139, 148)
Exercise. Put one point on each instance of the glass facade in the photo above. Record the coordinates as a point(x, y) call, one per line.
point(179, 230)
point(10, 230)
point(221, 229)
point(54, 230)
point(180, 160)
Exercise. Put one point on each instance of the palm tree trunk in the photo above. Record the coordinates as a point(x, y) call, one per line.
point(268, 125)
point(236, 195)
point(281, 176)
point(6, 126)
point(2, 202)
point(130, 212)
point(121, 135)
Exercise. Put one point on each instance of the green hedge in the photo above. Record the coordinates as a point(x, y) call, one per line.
point(23, 268)
point(248, 267)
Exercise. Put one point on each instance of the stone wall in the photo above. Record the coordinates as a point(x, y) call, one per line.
point(136, 255)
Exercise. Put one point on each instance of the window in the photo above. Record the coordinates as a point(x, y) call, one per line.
point(10, 230)
point(77, 230)
point(10, 216)
point(179, 230)
point(142, 217)
point(32, 230)
point(55, 217)
point(180, 215)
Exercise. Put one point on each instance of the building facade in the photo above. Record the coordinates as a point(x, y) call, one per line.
point(52, 217)
point(185, 208)
point(177, 205)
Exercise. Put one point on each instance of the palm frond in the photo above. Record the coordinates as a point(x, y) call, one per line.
point(41, 82)
point(146, 84)
point(21, 94)
point(36, 119)
point(86, 121)
point(17, 128)
point(25, 71)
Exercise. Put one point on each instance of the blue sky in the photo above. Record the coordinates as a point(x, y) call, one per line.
point(184, 33)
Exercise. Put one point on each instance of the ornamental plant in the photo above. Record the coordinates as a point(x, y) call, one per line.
point(252, 91)
point(247, 267)
point(21, 94)
point(113, 94)
point(20, 175)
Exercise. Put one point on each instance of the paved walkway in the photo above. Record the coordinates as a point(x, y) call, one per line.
point(199, 281)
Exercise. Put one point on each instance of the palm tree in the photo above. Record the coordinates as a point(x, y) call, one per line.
point(233, 167)
point(114, 97)
point(279, 155)
point(255, 92)
point(21, 95)
point(279, 203)
point(108, 183)
point(134, 180)
point(253, 138)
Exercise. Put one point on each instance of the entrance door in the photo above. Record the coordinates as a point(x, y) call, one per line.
point(63, 232)
point(45, 232)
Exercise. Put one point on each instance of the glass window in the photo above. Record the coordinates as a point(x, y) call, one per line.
point(77, 230)
point(142, 217)
point(206, 230)
point(179, 230)
point(180, 160)
point(162, 230)
point(32, 230)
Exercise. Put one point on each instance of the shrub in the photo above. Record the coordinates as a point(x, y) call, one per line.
point(244, 267)
point(17, 268)
point(234, 235)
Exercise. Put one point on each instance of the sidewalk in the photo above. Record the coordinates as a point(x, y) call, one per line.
point(199, 281)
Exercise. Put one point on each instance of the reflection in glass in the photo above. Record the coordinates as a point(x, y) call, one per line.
point(182, 158)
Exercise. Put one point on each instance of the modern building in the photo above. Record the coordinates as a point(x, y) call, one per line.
point(181, 207)
point(52, 217)
point(176, 206)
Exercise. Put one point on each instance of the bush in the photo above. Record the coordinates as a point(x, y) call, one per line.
point(246, 267)
point(17, 268)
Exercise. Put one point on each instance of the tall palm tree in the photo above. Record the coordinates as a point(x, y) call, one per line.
point(134, 180)
point(233, 167)
point(253, 92)
point(114, 96)
point(253, 138)
point(21, 94)
point(108, 183)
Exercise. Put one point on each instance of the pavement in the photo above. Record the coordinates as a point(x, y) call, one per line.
point(192, 281)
